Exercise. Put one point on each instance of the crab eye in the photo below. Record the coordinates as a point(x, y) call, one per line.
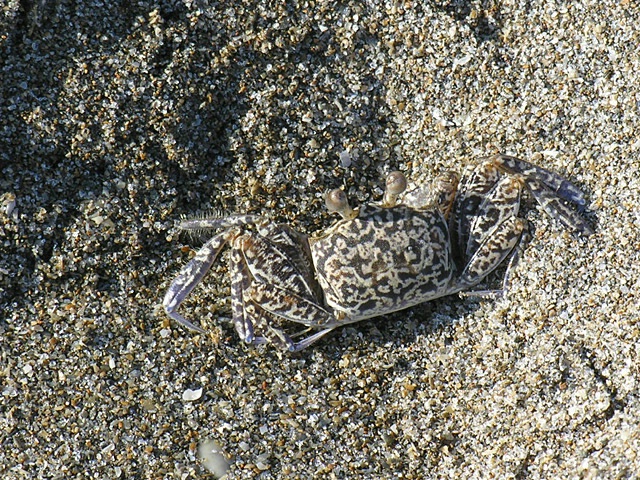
point(396, 183)
point(336, 200)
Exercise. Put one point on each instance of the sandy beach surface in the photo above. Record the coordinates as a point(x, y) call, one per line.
point(119, 118)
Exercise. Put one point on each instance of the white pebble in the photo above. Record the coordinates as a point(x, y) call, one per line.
point(191, 395)
point(345, 158)
point(212, 458)
point(9, 203)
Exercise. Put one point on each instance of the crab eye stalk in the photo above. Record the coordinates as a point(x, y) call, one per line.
point(396, 183)
point(336, 201)
point(444, 192)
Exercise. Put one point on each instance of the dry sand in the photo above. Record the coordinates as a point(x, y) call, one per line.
point(116, 119)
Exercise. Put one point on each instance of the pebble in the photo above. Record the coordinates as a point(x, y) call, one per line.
point(191, 395)
point(213, 459)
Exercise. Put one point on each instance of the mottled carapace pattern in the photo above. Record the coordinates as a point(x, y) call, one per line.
point(395, 257)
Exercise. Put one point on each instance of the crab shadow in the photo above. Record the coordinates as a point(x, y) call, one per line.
point(399, 329)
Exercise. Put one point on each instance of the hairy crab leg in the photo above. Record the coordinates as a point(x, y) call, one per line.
point(191, 274)
point(214, 223)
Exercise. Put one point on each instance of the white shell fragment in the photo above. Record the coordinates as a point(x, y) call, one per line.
point(211, 455)
point(8, 203)
point(345, 158)
point(191, 395)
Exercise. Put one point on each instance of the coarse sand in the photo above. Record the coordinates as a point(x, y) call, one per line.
point(117, 118)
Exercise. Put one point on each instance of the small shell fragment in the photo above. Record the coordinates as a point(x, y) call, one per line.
point(345, 158)
point(212, 458)
point(8, 203)
point(191, 395)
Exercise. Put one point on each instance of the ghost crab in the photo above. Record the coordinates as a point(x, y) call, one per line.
point(377, 259)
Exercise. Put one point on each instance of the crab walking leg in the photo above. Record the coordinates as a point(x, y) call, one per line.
point(304, 343)
point(472, 189)
point(267, 260)
point(515, 256)
point(548, 189)
point(207, 223)
point(293, 307)
point(254, 259)
point(495, 248)
point(191, 274)
point(240, 281)
point(277, 336)
point(514, 259)
point(560, 186)
point(555, 208)
point(262, 321)
point(278, 302)
point(500, 203)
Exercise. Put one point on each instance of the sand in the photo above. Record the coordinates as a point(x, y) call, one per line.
point(118, 119)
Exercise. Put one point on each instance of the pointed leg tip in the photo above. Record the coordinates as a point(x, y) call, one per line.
point(183, 321)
